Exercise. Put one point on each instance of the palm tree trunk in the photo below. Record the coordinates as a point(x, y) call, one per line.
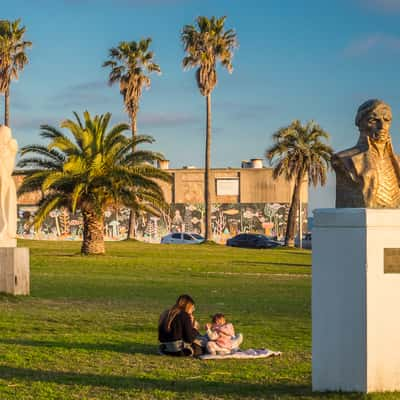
point(93, 233)
point(57, 224)
point(207, 180)
point(132, 214)
point(7, 107)
point(134, 129)
point(291, 222)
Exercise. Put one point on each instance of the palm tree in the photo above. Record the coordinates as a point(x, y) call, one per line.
point(131, 64)
point(13, 58)
point(298, 152)
point(91, 171)
point(205, 45)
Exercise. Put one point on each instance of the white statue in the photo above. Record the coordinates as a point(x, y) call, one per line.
point(8, 195)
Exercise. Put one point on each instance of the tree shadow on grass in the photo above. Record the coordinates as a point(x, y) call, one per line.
point(9, 298)
point(270, 263)
point(188, 385)
point(287, 264)
point(60, 253)
point(125, 347)
point(304, 252)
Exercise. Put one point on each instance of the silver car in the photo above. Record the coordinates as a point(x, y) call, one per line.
point(182, 238)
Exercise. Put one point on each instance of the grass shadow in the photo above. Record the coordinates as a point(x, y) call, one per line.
point(126, 347)
point(303, 252)
point(270, 263)
point(10, 298)
point(69, 254)
point(188, 385)
point(287, 264)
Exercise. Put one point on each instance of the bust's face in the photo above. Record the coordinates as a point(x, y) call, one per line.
point(376, 124)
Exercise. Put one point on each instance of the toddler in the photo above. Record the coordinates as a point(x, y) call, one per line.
point(221, 335)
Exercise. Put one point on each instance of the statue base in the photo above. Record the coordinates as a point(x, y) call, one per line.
point(14, 271)
point(8, 243)
point(355, 300)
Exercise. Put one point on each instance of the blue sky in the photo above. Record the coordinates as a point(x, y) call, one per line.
point(304, 60)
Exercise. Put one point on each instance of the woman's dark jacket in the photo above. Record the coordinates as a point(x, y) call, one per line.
point(181, 329)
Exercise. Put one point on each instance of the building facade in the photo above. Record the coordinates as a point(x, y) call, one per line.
point(243, 200)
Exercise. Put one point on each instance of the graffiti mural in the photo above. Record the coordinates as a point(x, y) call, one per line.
point(227, 220)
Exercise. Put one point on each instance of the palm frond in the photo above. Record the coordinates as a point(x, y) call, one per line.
point(12, 52)
point(101, 170)
point(44, 151)
point(46, 205)
point(298, 150)
point(40, 163)
point(33, 181)
point(205, 45)
point(130, 64)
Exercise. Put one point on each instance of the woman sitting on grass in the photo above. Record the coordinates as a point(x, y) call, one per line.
point(177, 329)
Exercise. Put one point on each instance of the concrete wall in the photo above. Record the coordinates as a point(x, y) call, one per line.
point(338, 301)
point(256, 186)
point(259, 186)
point(261, 205)
point(32, 198)
point(382, 303)
point(355, 302)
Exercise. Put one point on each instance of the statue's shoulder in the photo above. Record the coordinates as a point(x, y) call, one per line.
point(345, 159)
point(348, 153)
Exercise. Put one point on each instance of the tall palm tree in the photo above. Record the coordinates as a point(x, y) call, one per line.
point(299, 152)
point(13, 58)
point(205, 45)
point(131, 64)
point(91, 170)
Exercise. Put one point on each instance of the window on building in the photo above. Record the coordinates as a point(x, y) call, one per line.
point(228, 187)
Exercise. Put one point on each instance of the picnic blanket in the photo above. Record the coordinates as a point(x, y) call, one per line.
point(243, 354)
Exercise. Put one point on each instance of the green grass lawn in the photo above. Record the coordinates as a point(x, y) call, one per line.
point(89, 328)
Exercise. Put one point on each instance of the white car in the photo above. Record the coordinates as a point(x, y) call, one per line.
point(182, 238)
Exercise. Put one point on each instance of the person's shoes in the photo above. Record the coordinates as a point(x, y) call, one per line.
point(236, 350)
point(161, 349)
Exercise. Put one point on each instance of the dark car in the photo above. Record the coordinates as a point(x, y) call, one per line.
point(252, 240)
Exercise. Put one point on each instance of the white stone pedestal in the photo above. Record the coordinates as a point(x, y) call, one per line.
point(14, 270)
point(355, 303)
point(8, 243)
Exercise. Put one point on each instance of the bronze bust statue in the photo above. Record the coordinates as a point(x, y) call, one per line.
point(368, 174)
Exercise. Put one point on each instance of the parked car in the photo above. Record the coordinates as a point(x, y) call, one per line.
point(182, 238)
point(252, 240)
point(306, 242)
